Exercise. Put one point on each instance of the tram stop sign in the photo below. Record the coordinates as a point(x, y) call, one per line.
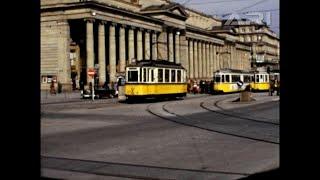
point(91, 72)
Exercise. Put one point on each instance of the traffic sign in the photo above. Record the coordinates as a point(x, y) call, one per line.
point(91, 72)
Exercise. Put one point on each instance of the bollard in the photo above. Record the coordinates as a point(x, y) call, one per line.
point(121, 94)
point(245, 96)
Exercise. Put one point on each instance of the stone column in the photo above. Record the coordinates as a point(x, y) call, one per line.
point(64, 65)
point(177, 48)
point(122, 62)
point(139, 45)
point(154, 46)
point(131, 44)
point(147, 45)
point(90, 48)
point(171, 47)
point(220, 49)
point(102, 53)
point(232, 60)
point(112, 52)
point(195, 59)
point(237, 59)
point(208, 61)
point(204, 63)
point(200, 59)
point(212, 59)
point(162, 46)
point(204, 59)
point(184, 53)
point(191, 74)
point(217, 58)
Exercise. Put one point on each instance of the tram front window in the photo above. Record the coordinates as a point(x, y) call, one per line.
point(217, 79)
point(132, 76)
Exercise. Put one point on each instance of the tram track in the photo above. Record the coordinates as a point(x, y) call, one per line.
point(126, 170)
point(235, 114)
point(187, 121)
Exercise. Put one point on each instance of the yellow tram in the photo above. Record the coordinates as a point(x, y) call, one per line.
point(260, 81)
point(160, 78)
point(230, 80)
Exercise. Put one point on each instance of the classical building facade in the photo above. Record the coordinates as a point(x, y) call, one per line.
point(265, 45)
point(106, 35)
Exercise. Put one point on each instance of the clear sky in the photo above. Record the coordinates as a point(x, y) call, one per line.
point(269, 9)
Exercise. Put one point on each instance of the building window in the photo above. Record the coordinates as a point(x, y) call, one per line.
point(48, 79)
point(44, 79)
point(134, 1)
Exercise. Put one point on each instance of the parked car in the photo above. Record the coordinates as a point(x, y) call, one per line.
point(99, 93)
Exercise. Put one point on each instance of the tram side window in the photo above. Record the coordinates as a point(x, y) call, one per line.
point(246, 79)
point(166, 75)
point(265, 78)
point(222, 80)
point(152, 75)
point(227, 78)
point(257, 78)
point(145, 75)
point(173, 75)
point(133, 76)
point(179, 75)
point(140, 74)
point(235, 78)
point(160, 75)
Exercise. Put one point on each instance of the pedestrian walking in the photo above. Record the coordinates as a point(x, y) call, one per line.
point(52, 88)
point(271, 89)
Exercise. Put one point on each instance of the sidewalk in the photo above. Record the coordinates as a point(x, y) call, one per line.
point(47, 98)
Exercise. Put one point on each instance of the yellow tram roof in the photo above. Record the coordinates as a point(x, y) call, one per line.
point(231, 71)
point(156, 63)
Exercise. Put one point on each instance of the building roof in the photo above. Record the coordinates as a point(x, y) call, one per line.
point(241, 22)
point(164, 8)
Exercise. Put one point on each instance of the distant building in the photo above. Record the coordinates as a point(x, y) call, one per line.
point(264, 43)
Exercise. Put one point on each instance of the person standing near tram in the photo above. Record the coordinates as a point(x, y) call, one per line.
point(52, 88)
